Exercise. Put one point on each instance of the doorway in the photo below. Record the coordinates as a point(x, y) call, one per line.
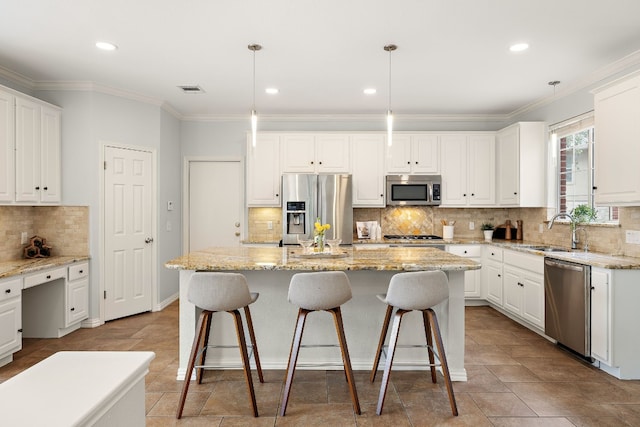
point(215, 203)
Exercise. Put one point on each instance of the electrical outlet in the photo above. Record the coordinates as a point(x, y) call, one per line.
point(540, 228)
point(169, 205)
point(269, 225)
point(23, 238)
point(633, 237)
point(472, 225)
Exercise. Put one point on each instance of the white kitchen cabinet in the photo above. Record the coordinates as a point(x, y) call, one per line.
point(263, 171)
point(10, 318)
point(600, 315)
point(492, 274)
point(37, 152)
point(521, 163)
point(7, 146)
point(414, 154)
point(523, 286)
point(472, 278)
point(468, 170)
point(367, 165)
point(617, 114)
point(308, 153)
point(77, 301)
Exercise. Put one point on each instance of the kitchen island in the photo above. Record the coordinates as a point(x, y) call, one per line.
point(269, 270)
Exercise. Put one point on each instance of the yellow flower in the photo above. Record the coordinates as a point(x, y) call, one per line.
point(320, 228)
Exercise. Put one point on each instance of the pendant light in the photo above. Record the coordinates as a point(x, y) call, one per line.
point(390, 48)
point(554, 135)
point(254, 115)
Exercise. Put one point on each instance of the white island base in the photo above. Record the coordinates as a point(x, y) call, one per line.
point(274, 320)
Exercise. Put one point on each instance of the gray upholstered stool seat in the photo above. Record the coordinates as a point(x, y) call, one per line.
point(325, 291)
point(214, 292)
point(420, 291)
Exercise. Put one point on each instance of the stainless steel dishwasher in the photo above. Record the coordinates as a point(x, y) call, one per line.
point(567, 295)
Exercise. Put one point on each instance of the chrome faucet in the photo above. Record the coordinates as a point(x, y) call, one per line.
point(574, 240)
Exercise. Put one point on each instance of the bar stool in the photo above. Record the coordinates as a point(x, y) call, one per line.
point(326, 291)
point(418, 290)
point(214, 292)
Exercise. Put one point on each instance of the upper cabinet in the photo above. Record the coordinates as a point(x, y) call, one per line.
point(7, 146)
point(468, 170)
point(30, 148)
point(308, 153)
point(521, 154)
point(413, 154)
point(263, 171)
point(367, 153)
point(617, 114)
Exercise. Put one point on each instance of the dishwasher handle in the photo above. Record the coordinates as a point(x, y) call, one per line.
point(563, 265)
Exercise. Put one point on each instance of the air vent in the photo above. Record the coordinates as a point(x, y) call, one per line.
point(191, 89)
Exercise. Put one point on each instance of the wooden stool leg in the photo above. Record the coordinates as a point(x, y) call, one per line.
point(383, 337)
point(293, 358)
point(428, 334)
point(337, 317)
point(203, 354)
point(252, 336)
point(245, 359)
point(443, 360)
point(393, 340)
point(202, 320)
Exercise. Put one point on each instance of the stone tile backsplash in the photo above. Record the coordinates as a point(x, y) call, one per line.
point(66, 229)
point(608, 239)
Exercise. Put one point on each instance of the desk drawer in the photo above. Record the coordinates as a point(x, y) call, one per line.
point(78, 271)
point(10, 289)
point(47, 276)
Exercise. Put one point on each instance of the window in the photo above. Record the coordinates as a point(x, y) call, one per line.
point(572, 151)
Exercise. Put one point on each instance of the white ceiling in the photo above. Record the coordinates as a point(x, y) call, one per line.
point(452, 56)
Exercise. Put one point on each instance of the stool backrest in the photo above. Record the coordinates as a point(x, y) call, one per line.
point(418, 290)
point(319, 291)
point(218, 291)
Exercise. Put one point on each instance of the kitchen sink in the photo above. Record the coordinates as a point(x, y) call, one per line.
point(544, 248)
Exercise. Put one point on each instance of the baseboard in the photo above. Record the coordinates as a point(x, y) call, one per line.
point(164, 304)
point(91, 323)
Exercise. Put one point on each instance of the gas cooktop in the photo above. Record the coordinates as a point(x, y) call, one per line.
point(412, 237)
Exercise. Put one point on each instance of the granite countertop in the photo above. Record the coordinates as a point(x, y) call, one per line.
point(24, 266)
point(353, 258)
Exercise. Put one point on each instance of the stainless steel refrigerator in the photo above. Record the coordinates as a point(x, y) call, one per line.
point(306, 197)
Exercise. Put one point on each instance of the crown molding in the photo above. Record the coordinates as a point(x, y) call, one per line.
point(17, 78)
point(619, 66)
point(293, 118)
point(96, 87)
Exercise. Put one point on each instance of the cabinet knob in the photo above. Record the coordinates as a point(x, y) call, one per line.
point(45, 188)
point(499, 275)
point(515, 193)
point(72, 308)
point(81, 271)
point(312, 162)
point(20, 330)
point(37, 188)
point(464, 195)
point(492, 254)
point(277, 195)
point(8, 291)
point(408, 162)
point(473, 194)
point(320, 162)
point(416, 163)
point(382, 195)
point(465, 252)
point(520, 284)
point(48, 276)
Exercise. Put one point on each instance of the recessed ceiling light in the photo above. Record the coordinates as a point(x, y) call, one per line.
point(519, 47)
point(272, 90)
point(370, 91)
point(106, 46)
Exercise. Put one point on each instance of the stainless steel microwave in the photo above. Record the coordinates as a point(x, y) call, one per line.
point(413, 190)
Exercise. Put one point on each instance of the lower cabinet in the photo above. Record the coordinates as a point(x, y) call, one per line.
point(77, 301)
point(10, 319)
point(472, 278)
point(600, 316)
point(516, 284)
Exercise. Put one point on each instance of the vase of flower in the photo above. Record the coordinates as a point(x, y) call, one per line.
point(319, 235)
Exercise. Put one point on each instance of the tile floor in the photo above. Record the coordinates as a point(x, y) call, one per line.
point(516, 378)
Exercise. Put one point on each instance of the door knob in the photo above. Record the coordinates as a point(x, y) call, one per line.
point(148, 240)
point(237, 224)
point(237, 233)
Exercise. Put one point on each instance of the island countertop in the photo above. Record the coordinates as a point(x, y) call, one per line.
point(349, 259)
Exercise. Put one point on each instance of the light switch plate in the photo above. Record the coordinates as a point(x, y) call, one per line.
point(633, 237)
point(472, 225)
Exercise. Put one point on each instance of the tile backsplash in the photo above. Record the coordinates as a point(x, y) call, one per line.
point(66, 229)
point(427, 220)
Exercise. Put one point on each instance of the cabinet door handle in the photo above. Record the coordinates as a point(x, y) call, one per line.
point(20, 330)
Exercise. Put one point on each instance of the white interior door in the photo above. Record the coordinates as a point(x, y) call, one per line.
point(128, 219)
point(215, 204)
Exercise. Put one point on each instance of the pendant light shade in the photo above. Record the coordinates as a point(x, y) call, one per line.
point(254, 114)
point(390, 48)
